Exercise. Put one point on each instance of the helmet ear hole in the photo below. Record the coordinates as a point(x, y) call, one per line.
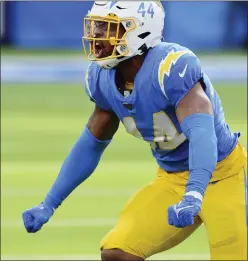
point(144, 35)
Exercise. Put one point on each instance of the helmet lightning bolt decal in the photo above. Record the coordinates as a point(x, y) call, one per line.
point(113, 3)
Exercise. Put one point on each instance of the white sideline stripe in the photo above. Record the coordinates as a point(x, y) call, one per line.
point(103, 192)
point(8, 168)
point(67, 222)
point(97, 257)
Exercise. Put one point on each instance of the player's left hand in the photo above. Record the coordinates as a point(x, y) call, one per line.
point(183, 213)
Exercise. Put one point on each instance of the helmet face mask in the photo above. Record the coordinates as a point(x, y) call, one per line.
point(118, 30)
point(105, 32)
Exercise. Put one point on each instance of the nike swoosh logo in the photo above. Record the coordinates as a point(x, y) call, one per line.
point(177, 210)
point(183, 72)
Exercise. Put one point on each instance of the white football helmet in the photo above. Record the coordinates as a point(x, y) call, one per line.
point(143, 23)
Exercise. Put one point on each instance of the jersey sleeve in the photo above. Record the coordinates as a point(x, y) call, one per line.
point(92, 87)
point(178, 73)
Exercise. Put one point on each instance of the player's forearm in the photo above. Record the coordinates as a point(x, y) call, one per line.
point(77, 167)
point(199, 130)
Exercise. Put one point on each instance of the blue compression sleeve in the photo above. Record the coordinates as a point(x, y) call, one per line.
point(78, 166)
point(199, 130)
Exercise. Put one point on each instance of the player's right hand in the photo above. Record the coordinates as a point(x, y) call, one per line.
point(34, 218)
point(183, 213)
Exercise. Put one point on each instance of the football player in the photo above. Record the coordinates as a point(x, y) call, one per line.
point(160, 93)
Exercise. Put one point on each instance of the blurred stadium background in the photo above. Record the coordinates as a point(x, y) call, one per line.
point(44, 109)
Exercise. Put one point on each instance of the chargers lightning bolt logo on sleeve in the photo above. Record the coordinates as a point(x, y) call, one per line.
point(166, 64)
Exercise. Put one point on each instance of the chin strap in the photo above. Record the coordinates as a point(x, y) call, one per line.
point(108, 64)
point(111, 63)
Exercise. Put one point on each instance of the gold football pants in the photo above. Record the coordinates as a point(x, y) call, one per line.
point(143, 229)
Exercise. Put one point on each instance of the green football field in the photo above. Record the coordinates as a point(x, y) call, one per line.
point(40, 123)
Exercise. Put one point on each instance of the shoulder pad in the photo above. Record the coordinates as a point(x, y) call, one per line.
point(92, 86)
point(178, 72)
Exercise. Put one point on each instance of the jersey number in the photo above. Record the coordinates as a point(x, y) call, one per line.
point(143, 11)
point(166, 136)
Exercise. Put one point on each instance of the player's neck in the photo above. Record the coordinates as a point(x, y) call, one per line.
point(129, 68)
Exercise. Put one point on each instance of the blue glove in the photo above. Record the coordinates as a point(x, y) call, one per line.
point(34, 218)
point(183, 213)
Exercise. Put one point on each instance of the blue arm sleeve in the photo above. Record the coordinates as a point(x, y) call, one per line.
point(199, 130)
point(78, 166)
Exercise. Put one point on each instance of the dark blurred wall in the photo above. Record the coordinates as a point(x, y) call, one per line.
point(197, 25)
point(47, 24)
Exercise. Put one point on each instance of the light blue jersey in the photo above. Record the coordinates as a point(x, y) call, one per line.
point(168, 73)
